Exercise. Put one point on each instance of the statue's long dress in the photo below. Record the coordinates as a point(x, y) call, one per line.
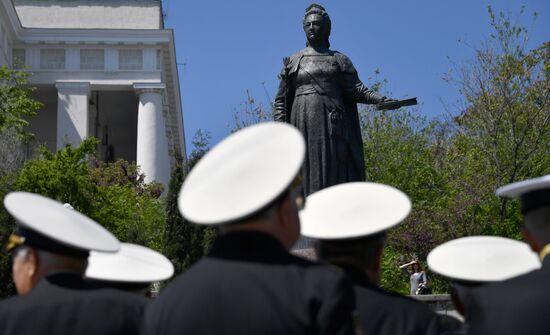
point(325, 90)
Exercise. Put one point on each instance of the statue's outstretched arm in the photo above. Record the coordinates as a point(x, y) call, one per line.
point(353, 87)
point(358, 92)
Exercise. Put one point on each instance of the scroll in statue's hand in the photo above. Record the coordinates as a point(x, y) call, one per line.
point(388, 103)
point(386, 99)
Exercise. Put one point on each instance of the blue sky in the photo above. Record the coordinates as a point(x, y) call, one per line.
point(228, 47)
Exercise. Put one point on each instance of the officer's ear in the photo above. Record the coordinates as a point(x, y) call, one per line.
point(288, 221)
point(25, 269)
point(32, 262)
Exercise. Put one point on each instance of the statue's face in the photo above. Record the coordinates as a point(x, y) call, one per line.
point(314, 28)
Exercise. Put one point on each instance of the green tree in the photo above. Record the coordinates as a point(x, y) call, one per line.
point(15, 102)
point(7, 225)
point(63, 175)
point(503, 134)
point(451, 169)
point(113, 194)
point(405, 150)
point(16, 106)
point(392, 278)
point(200, 142)
point(185, 243)
point(126, 205)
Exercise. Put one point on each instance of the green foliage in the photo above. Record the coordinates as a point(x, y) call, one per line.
point(407, 151)
point(451, 169)
point(185, 243)
point(12, 151)
point(505, 128)
point(200, 143)
point(64, 175)
point(135, 213)
point(113, 194)
point(393, 279)
point(15, 103)
point(15, 106)
point(7, 226)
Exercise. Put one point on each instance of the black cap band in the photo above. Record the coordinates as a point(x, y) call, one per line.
point(45, 243)
point(534, 199)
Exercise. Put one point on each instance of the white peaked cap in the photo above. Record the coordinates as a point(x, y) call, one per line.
point(517, 189)
point(131, 264)
point(243, 174)
point(353, 210)
point(532, 193)
point(482, 259)
point(59, 223)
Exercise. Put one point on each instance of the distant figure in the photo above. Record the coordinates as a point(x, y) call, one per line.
point(318, 94)
point(364, 211)
point(249, 283)
point(50, 250)
point(520, 305)
point(471, 262)
point(417, 277)
point(133, 268)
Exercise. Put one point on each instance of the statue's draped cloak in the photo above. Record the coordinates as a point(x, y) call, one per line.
point(318, 94)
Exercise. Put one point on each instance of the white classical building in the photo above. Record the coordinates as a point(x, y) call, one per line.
point(104, 69)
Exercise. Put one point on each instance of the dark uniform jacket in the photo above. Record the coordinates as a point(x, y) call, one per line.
point(381, 312)
point(249, 284)
point(519, 305)
point(65, 304)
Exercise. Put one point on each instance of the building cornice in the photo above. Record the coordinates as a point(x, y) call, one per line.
point(94, 36)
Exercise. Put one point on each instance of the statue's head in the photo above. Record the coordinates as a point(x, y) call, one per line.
point(317, 25)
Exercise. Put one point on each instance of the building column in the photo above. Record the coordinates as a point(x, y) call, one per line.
point(72, 112)
point(152, 145)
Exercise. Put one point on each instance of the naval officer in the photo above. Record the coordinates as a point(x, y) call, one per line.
point(50, 250)
point(134, 268)
point(520, 305)
point(350, 223)
point(249, 283)
point(474, 261)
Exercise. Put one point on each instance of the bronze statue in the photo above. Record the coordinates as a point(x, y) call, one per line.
point(318, 94)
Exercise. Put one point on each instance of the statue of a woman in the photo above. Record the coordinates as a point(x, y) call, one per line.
point(318, 94)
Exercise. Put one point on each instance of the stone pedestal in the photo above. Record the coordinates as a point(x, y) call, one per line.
point(72, 112)
point(152, 145)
